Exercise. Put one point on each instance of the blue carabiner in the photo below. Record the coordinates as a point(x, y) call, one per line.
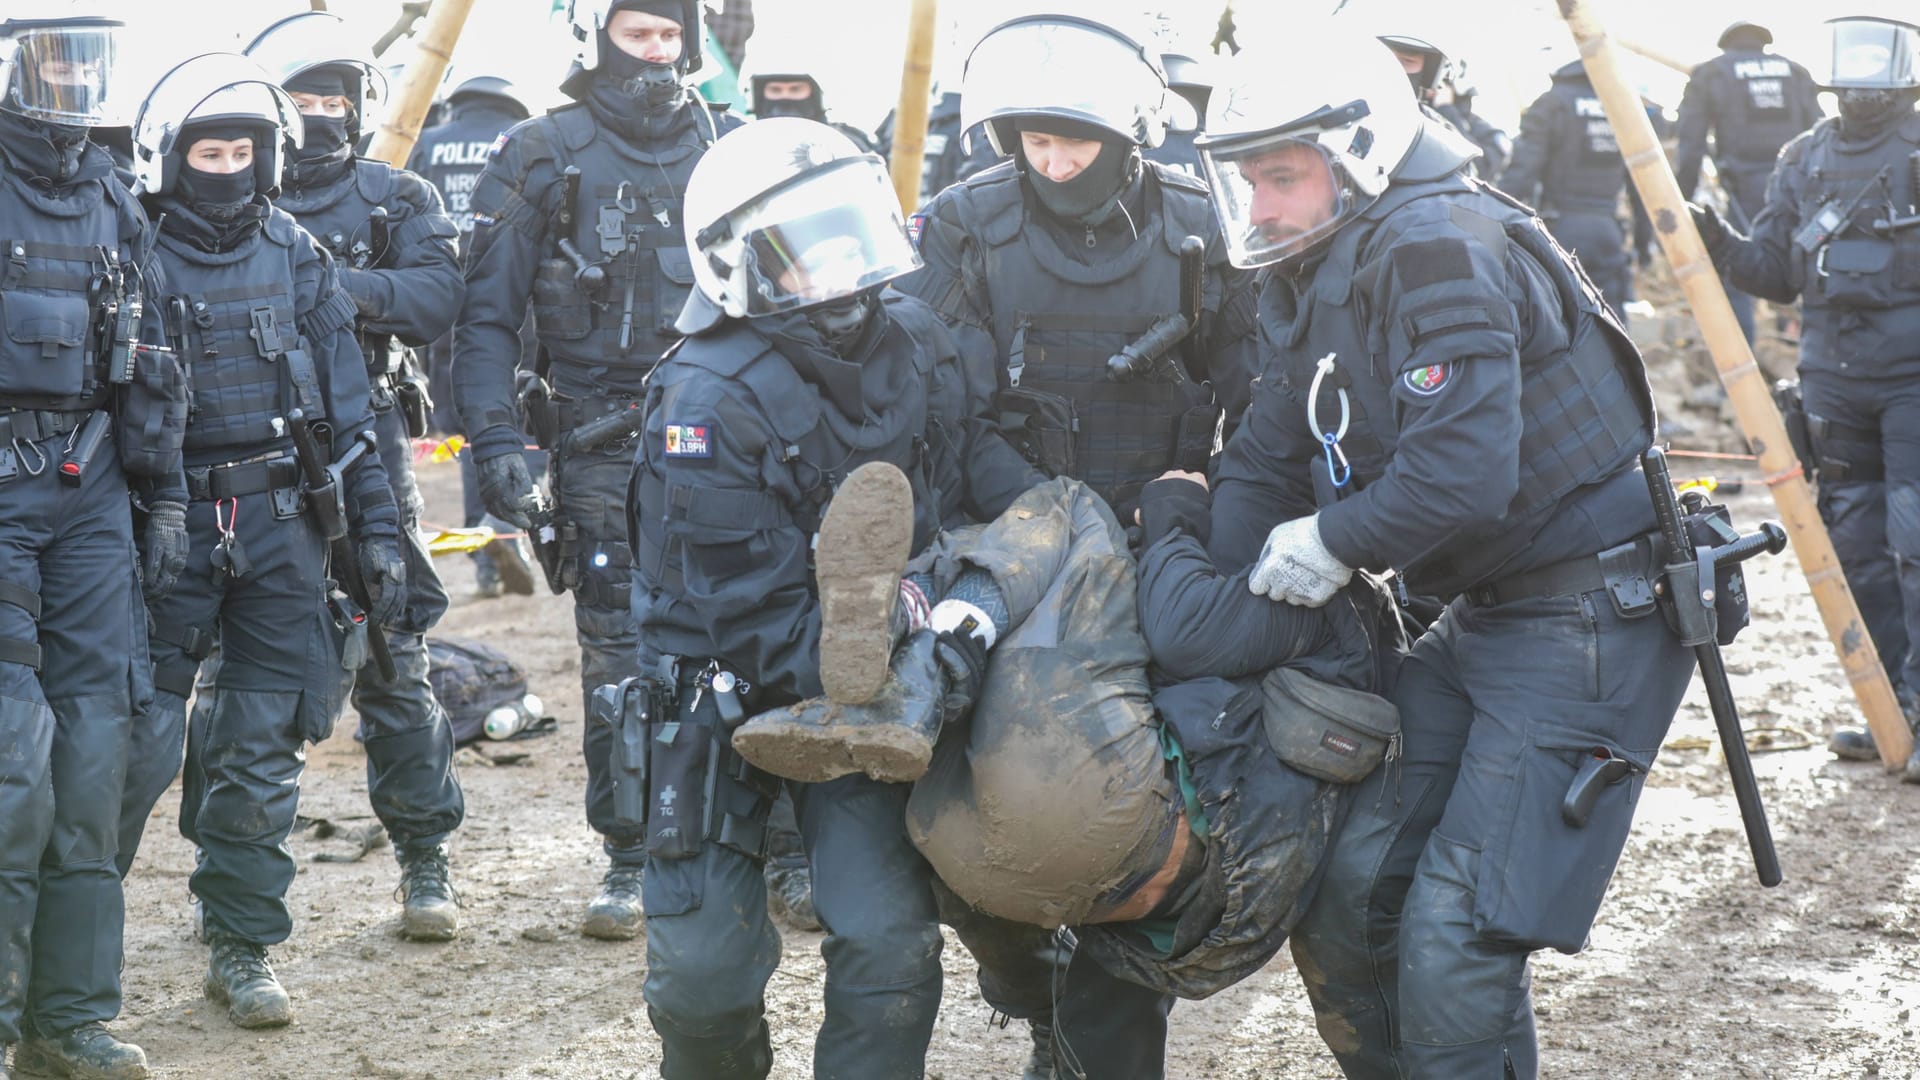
point(1338, 470)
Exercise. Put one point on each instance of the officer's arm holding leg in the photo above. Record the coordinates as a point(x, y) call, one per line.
point(413, 290)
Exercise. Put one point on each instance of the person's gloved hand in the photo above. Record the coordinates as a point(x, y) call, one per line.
point(164, 550)
point(361, 285)
point(1712, 227)
point(962, 657)
point(385, 574)
point(1295, 567)
point(507, 489)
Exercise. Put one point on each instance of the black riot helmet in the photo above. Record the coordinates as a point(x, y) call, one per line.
point(1742, 33)
point(496, 87)
point(1188, 78)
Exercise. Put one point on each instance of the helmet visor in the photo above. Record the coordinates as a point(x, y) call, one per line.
point(64, 75)
point(1871, 55)
point(828, 235)
point(1064, 69)
point(1277, 197)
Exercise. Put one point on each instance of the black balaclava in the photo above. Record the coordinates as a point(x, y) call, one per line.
point(841, 322)
point(214, 211)
point(1865, 114)
point(1091, 197)
point(638, 98)
point(806, 108)
point(51, 156)
point(326, 153)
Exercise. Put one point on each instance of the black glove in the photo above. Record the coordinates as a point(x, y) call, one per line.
point(507, 489)
point(963, 660)
point(385, 574)
point(164, 550)
point(1712, 227)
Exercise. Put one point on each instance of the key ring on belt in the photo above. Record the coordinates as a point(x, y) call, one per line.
point(1338, 470)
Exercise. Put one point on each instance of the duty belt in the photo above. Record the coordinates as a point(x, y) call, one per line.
point(32, 425)
point(1625, 571)
point(209, 482)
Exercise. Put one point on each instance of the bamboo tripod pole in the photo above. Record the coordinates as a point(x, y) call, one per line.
point(400, 122)
point(910, 114)
point(1746, 387)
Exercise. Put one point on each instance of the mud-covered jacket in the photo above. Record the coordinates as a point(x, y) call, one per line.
point(1047, 304)
point(1859, 288)
point(1751, 102)
point(741, 452)
point(626, 220)
point(1477, 389)
point(265, 328)
point(410, 288)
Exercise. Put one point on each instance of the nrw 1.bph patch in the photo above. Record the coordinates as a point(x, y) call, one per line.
point(689, 441)
point(1430, 380)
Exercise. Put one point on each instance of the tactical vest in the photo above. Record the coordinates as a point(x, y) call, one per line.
point(233, 317)
point(62, 265)
point(1057, 321)
point(626, 221)
point(1586, 409)
point(1859, 269)
point(1761, 109)
point(340, 217)
point(1585, 172)
point(805, 446)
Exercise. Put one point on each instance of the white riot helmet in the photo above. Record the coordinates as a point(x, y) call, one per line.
point(588, 20)
point(1436, 62)
point(213, 87)
point(1868, 53)
point(785, 214)
point(310, 41)
point(1280, 133)
point(1065, 67)
point(57, 63)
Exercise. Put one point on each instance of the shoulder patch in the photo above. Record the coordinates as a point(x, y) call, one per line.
point(916, 224)
point(1430, 380)
point(499, 144)
point(689, 440)
point(1430, 262)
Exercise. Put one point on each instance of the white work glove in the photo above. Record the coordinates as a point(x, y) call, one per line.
point(1296, 568)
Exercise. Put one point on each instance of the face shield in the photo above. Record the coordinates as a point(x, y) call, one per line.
point(1868, 54)
point(1278, 197)
point(62, 74)
point(824, 235)
point(1062, 67)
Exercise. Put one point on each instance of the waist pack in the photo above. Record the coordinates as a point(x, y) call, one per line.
point(471, 680)
point(1329, 732)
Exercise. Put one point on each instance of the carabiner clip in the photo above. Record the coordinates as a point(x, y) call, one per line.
point(1338, 470)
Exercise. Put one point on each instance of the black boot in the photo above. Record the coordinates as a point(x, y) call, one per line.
point(615, 914)
point(87, 1052)
point(1040, 1060)
point(889, 738)
point(859, 555)
point(429, 908)
point(239, 977)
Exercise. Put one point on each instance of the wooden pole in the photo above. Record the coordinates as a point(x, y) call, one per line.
point(400, 122)
point(1746, 386)
point(910, 114)
point(1664, 59)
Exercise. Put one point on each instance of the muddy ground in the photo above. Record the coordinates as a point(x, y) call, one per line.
point(1693, 969)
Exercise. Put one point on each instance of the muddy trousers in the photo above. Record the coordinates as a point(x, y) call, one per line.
point(67, 565)
point(1455, 862)
point(1105, 1028)
point(1875, 523)
point(711, 947)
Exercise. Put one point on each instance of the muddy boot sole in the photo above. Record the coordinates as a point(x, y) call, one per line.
point(824, 741)
point(862, 551)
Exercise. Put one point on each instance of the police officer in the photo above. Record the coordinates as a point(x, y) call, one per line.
point(450, 156)
point(1047, 266)
point(1416, 414)
point(259, 308)
point(1840, 231)
point(397, 260)
point(797, 372)
point(1750, 102)
point(1567, 163)
point(1435, 75)
point(785, 85)
point(601, 262)
point(951, 153)
point(86, 419)
point(1186, 112)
